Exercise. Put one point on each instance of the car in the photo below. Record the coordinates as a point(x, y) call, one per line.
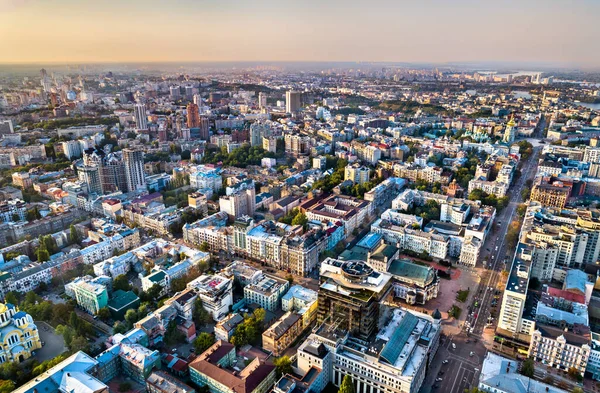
point(453, 346)
point(471, 353)
point(445, 361)
point(438, 380)
point(192, 350)
point(476, 369)
point(441, 373)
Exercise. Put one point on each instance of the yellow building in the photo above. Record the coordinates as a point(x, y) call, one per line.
point(18, 333)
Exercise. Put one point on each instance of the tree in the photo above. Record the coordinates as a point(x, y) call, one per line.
point(11, 298)
point(200, 315)
point(79, 343)
point(347, 386)
point(283, 365)
point(104, 314)
point(173, 335)
point(124, 387)
point(203, 342)
point(575, 374)
point(527, 368)
point(577, 390)
point(290, 279)
point(42, 254)
point(300, 219)
point(204, 247)
point(154, 291)
point(121, 282)
point(7, 386)
point(131, 316)
point(119, 327)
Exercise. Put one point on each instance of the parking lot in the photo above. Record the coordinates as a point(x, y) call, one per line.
point(54, 343)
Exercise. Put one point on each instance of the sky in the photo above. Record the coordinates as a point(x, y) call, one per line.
point(434, 31)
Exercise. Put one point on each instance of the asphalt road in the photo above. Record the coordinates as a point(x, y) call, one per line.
point(499, 251)
point(458, 366)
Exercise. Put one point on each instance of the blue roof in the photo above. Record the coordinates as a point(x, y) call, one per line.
point(576, 279)
point(20, 314)
point(401, 334)
point(370, 240)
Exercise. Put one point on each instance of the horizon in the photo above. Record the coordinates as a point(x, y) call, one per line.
point(383, 31)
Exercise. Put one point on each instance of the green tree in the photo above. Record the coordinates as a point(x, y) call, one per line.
point(283, 365)
point(347, 386)
point(7, 386)
point(121, 282)
point(104, 314)
point(200, 315)
point(11, 298)
point(42, 254)
point(119, 327)
point(527, 368)
point(203, 342)
point(204, 247)
point(577, 390)
point(300, 219)
point(131, 316)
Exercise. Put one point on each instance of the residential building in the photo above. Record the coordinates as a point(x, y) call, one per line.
point(554, 195)
point(89, 293)
point(240, 199)
point(293, 101)
point(501, 375)
point(225, 328)
point(134, 169)
point(560, 348)
point(162, 382)
point(216, 293)
point(357, 174)
point(267, 293)
point(133, 360)
point(204, 176)
point(215, 368)
point(141, 118)
point(348, 210)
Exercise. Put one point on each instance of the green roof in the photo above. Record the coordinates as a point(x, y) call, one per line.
point(157, 277)
point(409, 270)
point(401, 334)
point(121, 299)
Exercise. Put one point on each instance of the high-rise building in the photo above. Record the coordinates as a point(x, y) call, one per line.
point(203, 134)
point(45, 81)
point(262, 100)
point(90, 175)
point(358, 174)
point(193, 116)
point(240, 199)
point(259, 130)
point(71, 149)
point(175, 92)
point(293, 101)
point(351, 298)
point(297, 144)
point(141, 118)
point(134, 169)
point(198, 99)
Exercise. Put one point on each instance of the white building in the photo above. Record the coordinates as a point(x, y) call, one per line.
point(216, 293)
point(267, 293)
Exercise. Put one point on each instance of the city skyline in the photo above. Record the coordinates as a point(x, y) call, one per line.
point(382, 31)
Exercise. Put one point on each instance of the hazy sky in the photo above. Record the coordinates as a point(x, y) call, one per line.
point(562, 31)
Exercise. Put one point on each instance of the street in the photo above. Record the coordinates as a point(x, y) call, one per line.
point(458, 366)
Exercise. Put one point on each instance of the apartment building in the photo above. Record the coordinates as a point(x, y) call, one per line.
point(348, 210)
point(562, 349)
point(357, 173)
point(553, 194)
point(89, 293)
point(215, 368)
point(267, 293)
point(216, 293)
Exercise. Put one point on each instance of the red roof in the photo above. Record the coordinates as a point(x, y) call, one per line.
point(570, 296)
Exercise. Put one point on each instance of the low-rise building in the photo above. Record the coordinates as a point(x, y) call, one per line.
point(215, 368)
point(216, 293)
point(267, 293)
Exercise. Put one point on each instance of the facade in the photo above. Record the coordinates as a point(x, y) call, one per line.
point(550, 194)
point(134, 169)
point(89, 293)
point(395, 359)
point(20, 335)
point(133, 360)
point(357, 174)
point(214, 368)
point(12, 210)
point(350, 294)
point(141, 118)
point(562, 349)
point(216, 293)
point(293, 101)
point(267, 293)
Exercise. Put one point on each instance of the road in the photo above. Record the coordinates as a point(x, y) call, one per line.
point(464, 360)
point(499, 251)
